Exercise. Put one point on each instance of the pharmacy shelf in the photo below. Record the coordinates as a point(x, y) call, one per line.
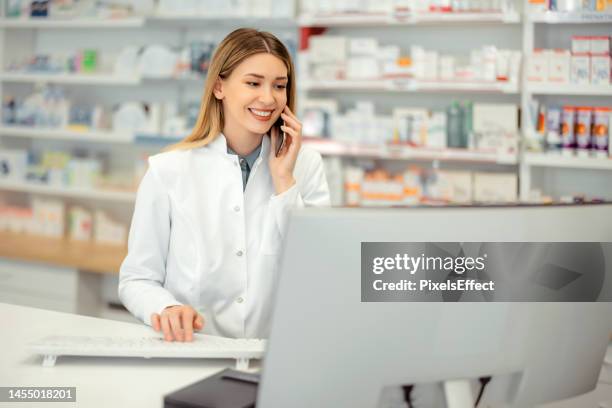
point(220, 21)
point(42, 22)
point(568, 89)
point(553, 17)
point(87, 256)
point(561, 161)
point(158, 19)
point(91, 79)
point(67, 78)
point(410, 85)
point(156, 138)
point(66, 134)
point(384, 19)
point(127, 197)
point(329, 147)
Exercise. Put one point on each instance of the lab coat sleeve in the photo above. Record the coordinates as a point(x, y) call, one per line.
point(310, 190)
point(143, 271)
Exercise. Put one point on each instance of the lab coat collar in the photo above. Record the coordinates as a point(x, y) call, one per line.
point(219, 144)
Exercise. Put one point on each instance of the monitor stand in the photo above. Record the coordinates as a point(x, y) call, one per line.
point(458, 394)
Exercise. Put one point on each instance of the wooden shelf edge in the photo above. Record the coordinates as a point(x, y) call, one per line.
point(86, 256)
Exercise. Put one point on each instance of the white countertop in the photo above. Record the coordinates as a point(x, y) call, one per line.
point(100, 382)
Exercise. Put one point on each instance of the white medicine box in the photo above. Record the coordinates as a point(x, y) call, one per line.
point(600, 69)
point(13, 164)
point(363, 46)
point(362, 68)
point(327, 49)
point(581, 44)
point(600, 45)
point(495, 187)
point(559, 66)
point(537, 66)
point(460, 185)
point(580, 69)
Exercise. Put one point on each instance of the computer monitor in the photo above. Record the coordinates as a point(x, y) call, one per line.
point(327, 348)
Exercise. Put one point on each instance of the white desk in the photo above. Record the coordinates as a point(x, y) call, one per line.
point(129, 382)
point(100, 382)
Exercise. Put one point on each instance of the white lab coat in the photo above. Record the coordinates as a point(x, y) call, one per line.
point(197, 239)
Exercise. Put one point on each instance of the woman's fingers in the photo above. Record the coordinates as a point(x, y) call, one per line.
point(291, 121)
point(187, 321)
point(175, 324)
point(165, 324)
point(295, 137)
point(178, 323)
point(198, 322)
point(155, 323)
point(294, 127)
point(288, 115)
point(290, 130)
point(290, 135)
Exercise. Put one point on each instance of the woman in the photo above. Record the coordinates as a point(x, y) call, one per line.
point(211, 212)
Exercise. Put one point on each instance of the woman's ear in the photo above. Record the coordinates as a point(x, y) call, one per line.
point(218, 89)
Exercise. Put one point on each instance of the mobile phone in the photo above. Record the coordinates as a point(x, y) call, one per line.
point(280, 122)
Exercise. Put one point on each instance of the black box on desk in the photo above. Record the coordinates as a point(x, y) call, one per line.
point(226, 389)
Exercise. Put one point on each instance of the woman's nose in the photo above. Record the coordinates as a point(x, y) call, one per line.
point(266, 96)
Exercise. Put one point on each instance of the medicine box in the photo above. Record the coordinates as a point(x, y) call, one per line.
point(537, 5)
point(580, 69)
point(600, 69)
point(362, 68)
point(436, 130)
point(581, 44)
point(461, 186)
point(559, 66)
point(389, 53)
point(537, 66)
point(447, 68)
point(13, 164)
point(363, 46)
point(326, 49)
point(411, 125)
point(495, 187)
point(600, 45)
point(107, 230)
point(329, 71)
point(49, 217)
point(495, 117)
point(431, 65)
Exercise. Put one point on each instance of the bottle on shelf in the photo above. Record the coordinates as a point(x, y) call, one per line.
point(454, 127)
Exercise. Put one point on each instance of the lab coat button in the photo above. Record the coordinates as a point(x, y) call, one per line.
point(240, 300)
point(236, 208)
point(239, 253)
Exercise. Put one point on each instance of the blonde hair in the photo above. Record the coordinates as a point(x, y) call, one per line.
point(235, 48)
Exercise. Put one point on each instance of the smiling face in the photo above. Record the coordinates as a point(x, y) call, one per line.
point(254, 95)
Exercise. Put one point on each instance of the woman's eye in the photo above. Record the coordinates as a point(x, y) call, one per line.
point(252, 83)
point(281, 86)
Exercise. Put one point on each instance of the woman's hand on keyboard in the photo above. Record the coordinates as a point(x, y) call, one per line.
point(177, 322)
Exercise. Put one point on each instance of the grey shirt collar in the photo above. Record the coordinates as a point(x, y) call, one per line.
point(246, 163)
point(250, 158)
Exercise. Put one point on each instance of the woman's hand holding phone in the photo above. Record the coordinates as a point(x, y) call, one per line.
point(177, 322)
point(282, 164)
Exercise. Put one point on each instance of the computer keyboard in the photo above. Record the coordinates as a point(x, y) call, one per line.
point(202, 346)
